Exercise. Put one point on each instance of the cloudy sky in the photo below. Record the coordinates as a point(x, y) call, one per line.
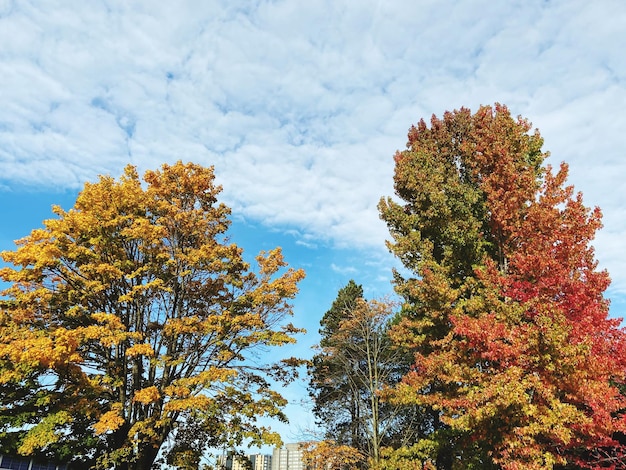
point(300, 107)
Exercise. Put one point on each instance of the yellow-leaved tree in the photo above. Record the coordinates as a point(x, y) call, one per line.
point(131, 329)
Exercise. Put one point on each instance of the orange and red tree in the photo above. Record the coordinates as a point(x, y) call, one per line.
point(131, 328)
point(516, 358)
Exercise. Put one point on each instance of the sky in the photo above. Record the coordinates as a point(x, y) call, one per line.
point(300, 107)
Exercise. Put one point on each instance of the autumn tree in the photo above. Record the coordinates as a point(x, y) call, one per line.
point(356, 360)
point(516, 358)
point(132, 328)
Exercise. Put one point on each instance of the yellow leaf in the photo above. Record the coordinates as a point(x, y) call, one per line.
point(109, 421)
point(147, 395)
point(142, 349)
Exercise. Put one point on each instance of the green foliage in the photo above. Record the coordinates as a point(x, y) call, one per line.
point(356, 362)
point(346, 301)
point(335, 403)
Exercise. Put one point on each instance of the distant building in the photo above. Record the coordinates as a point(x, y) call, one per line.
point(261, 461)
point(288, 458)
point(231, 461)
point(24, 463)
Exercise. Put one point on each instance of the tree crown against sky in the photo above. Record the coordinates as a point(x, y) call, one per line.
point(516, 359)
point(132, 327)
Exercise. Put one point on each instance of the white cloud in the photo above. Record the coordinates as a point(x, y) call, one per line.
point(343, 269)
point(301, 106)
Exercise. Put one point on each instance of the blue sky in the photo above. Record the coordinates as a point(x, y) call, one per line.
point(300, 107)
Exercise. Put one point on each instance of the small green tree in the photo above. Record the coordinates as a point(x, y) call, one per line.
point(336, 403)
point(356, 362)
